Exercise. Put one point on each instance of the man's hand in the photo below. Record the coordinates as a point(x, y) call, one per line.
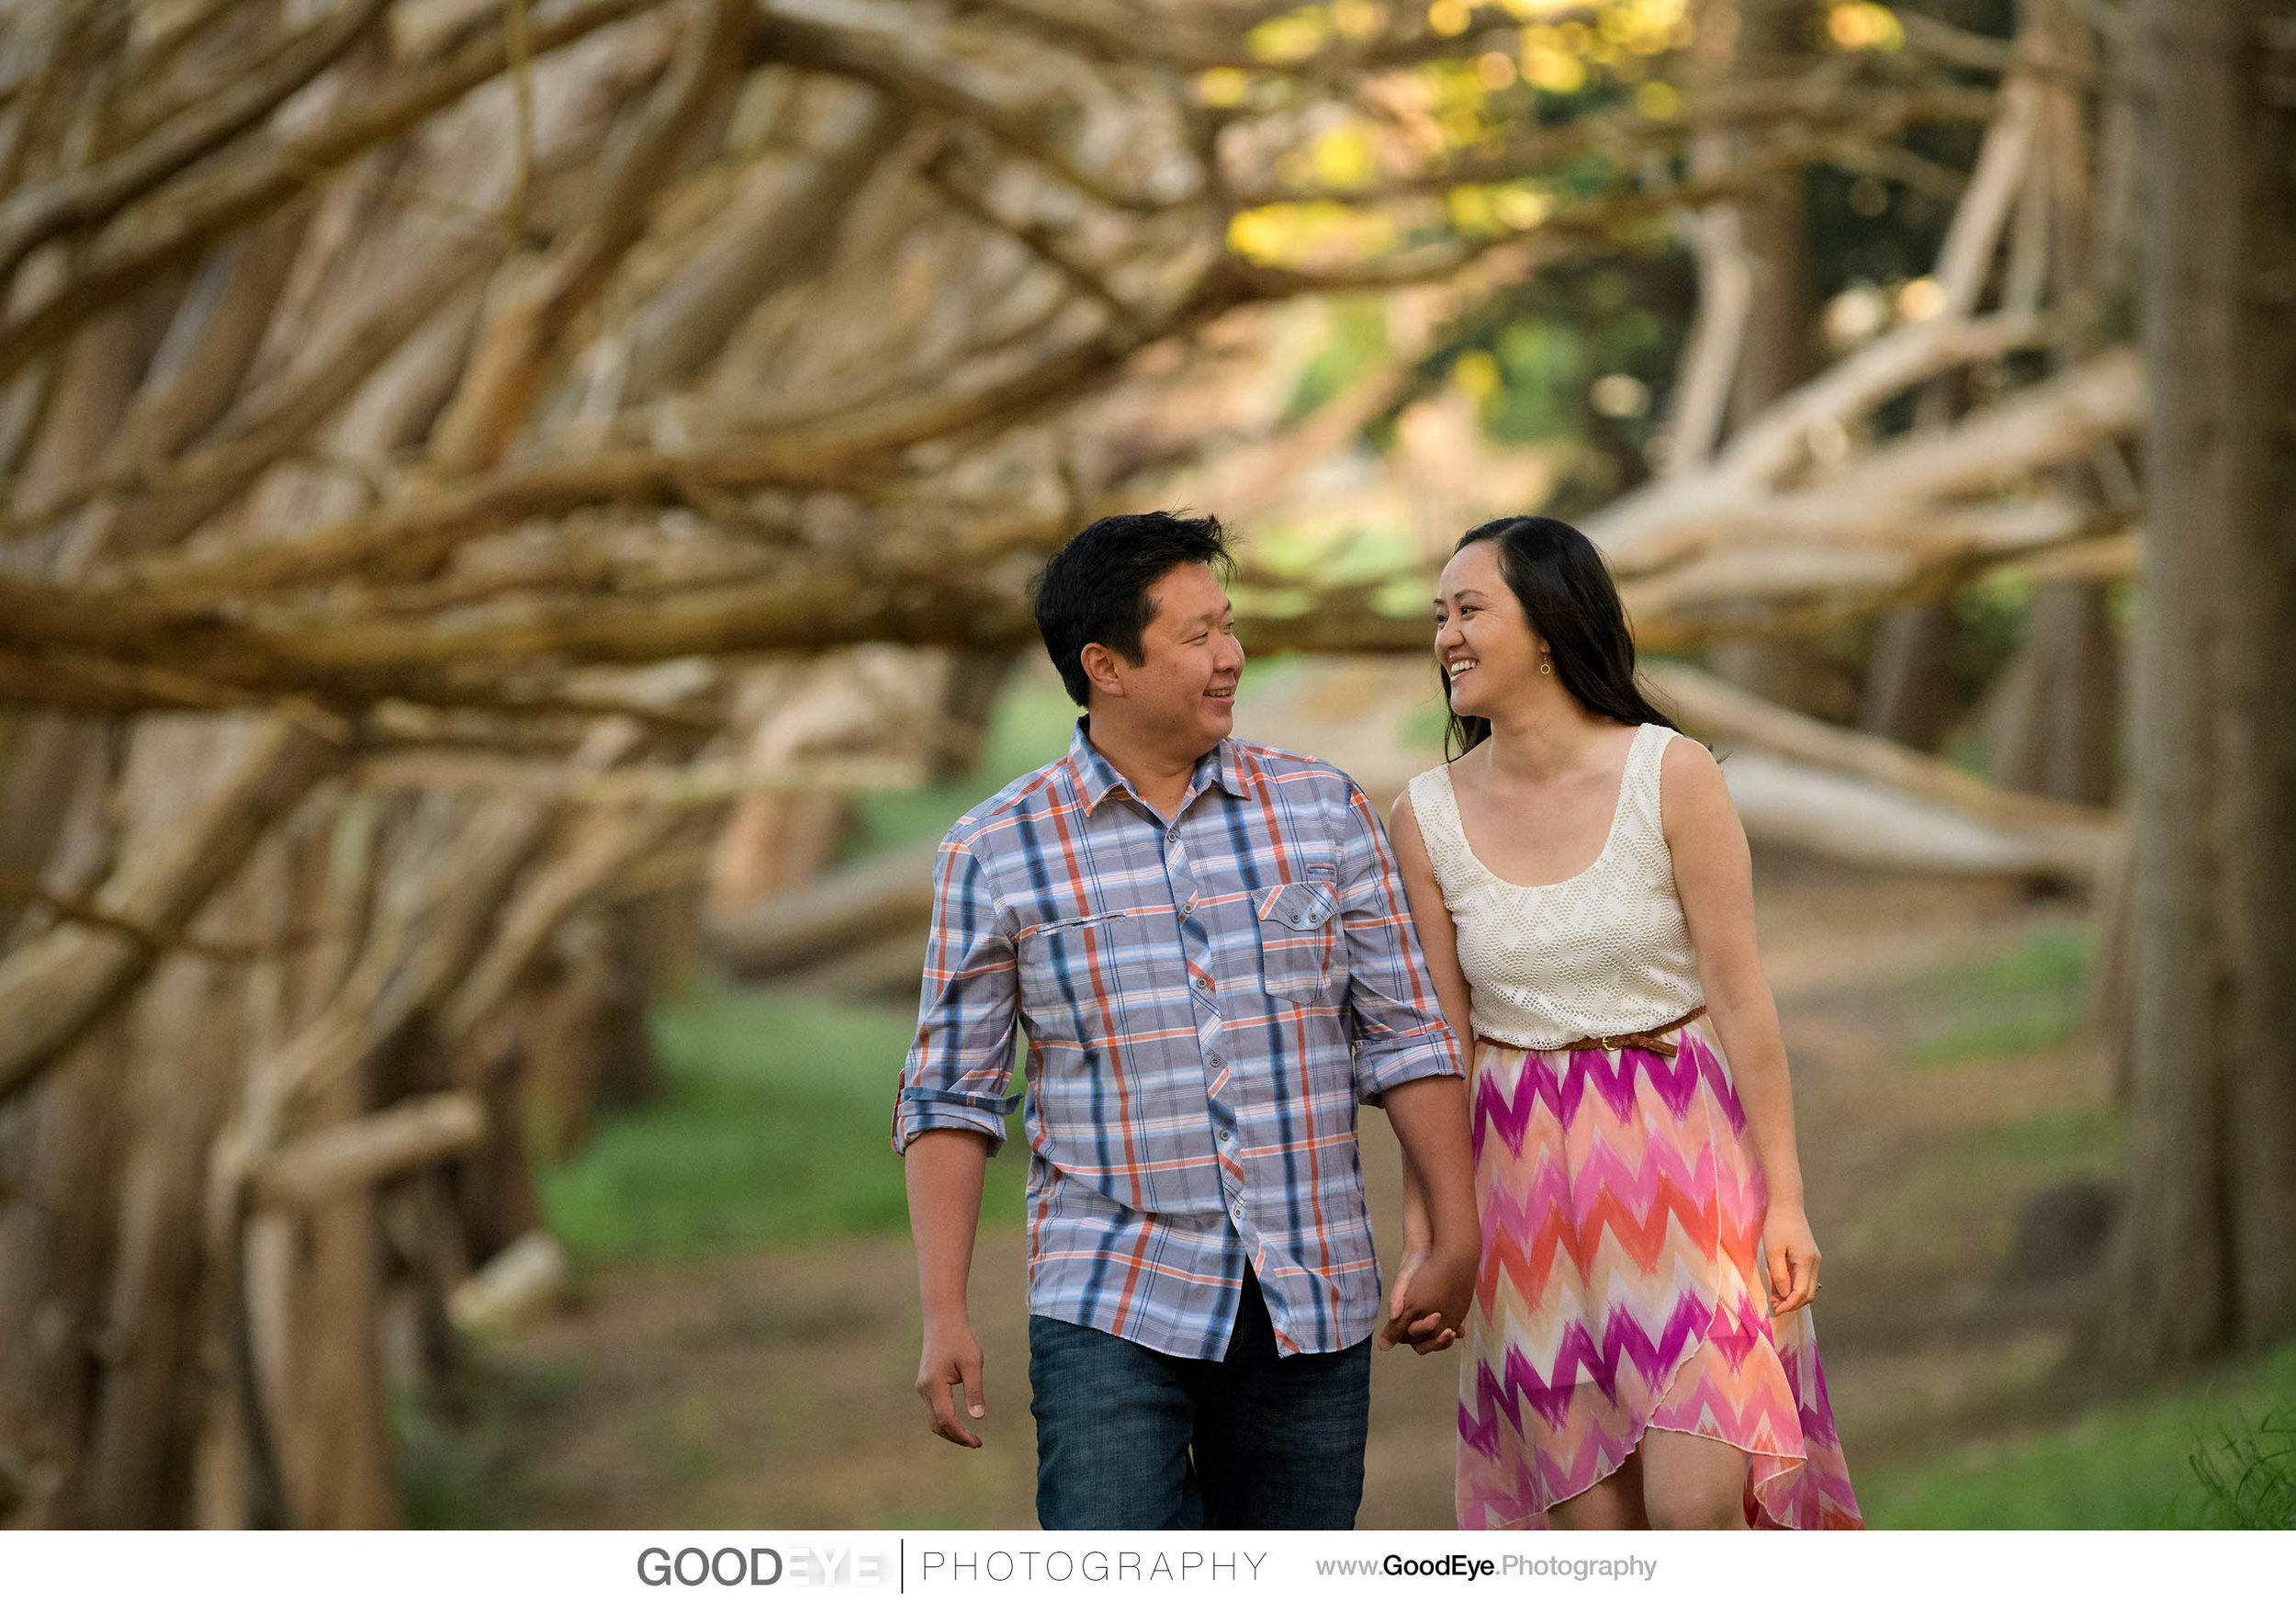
point(1426, 1336)
point(1434, 1291)
point(952, 1360)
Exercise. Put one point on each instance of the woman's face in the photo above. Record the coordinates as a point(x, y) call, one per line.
point(1483, 643)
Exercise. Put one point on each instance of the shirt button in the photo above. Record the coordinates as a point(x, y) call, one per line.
point(1213, 1059)
point(1203, 984)
point(1226, 1135)
point(1173, 834)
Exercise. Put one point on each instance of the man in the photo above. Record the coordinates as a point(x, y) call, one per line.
point(1209, 946)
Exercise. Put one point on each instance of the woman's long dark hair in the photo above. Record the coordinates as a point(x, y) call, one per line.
point(1571, 604)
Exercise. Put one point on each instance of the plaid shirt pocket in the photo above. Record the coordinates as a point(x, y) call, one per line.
point(1074, 970)
point(1299, 928)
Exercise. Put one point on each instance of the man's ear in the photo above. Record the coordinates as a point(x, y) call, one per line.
point(1103, 668)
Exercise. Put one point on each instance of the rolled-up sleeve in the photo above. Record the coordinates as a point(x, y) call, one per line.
point(959, 1064)
point(1394, 1015)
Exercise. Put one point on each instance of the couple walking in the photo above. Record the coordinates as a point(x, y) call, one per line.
point(1216, 957)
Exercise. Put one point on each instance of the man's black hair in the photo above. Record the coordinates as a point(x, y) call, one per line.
point(1094, 589)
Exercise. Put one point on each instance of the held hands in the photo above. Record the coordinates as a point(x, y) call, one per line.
point(952, 1358)
point(1434, 1289)
point(1790, 1252)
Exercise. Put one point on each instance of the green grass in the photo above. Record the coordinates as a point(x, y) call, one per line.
point(2034, 997)
point(2066, 1144)
point(2249, 1474)
point(1962, 1202)
point(772, 1129)
point(468, 1473)
point(2119, 1466)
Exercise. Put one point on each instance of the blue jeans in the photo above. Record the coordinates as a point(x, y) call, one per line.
point(1129, 1438)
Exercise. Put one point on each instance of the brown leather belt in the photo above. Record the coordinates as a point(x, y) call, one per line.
point(1649, 1039)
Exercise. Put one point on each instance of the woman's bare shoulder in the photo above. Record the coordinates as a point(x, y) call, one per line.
point(1691, 785)
point(1402, 824)
point(1685, 759)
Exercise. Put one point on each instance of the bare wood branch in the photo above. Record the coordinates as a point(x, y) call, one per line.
point(525, 1278)
point(426, 933)
point(1965, 260)
point(899, 59)
point(52, 987)
point(1715, 708)
point(31, 216)
point(411, 534)
point(2056, 420)
point(1674, 519)
point(2096, 560)
point(1709, 359)
point(1825, 109)
point(1778, 441)
point(773, 231)
point(79, 910)
point(151, 240)
point(1838, 815)
point(521, 337)
point(1900, 165)
point(1956, 45)
point(1601, 220)
point(693, 785)
point(848, 908)
point(351, 1157)
point(173, 496)
point(518, 46)
point(1111, 31)
point(1037, 240)
point(90, 682)
point(602, 846)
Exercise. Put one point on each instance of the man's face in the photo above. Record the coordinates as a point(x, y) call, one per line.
point(1184, 687)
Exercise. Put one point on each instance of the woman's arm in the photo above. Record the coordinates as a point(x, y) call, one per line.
point(1714, 875)
point(1439, 941)
point(1437, 936)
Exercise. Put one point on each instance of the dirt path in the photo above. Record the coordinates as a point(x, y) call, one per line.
point(774, 1391)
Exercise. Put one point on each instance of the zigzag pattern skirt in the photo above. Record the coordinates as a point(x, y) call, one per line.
point(1623, 1289)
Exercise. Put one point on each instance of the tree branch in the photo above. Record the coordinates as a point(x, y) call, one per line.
point(350, 1157)
point(522, 338)
point(31, 216)
point(155, 238)
point(902, 61)
point(51, 988)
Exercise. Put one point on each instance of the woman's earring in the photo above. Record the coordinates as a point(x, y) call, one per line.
point(1545, 662)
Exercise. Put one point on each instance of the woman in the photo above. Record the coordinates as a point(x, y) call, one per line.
point(1583, 891)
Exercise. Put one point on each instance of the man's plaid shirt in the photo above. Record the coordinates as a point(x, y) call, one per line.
point(1206, 1004)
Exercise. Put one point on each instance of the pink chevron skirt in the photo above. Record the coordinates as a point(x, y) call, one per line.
point(1622, 1288)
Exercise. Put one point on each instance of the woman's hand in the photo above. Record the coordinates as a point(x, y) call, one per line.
point(1429, 1277)
point(1791, 1253)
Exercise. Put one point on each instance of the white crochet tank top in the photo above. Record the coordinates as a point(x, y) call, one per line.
point(1606, 951)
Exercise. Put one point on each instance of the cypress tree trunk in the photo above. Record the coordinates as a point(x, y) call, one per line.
point(2207, 1258)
